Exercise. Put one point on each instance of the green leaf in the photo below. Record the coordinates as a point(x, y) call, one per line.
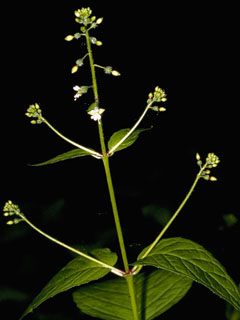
point(92, 106)
point(119, 135)
point(185, 257)
point(156, 292)
point(75, 153)
point(77, 272)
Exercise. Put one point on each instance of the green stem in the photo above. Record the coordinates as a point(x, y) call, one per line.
point(102, 264)
point(131, 130)
point(105, 159)
point(101, 136)
point(92, 152)
point(131, 290)
point(91, 61)
point(115, 213)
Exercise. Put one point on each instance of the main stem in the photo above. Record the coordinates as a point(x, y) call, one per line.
point(105, 158)
point(115, 213)
point(91, 61)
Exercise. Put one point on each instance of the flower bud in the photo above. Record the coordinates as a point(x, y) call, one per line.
point(77, 13)
point(213, 179)
point(69, 37)
point(162, 109)
point(99, 20)
point(150, 96)
point(115, 73)
point(99, 43)
point(74, 69)
point(198, 156)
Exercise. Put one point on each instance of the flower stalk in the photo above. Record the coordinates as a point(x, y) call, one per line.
point(211, 161)
point(11, 209)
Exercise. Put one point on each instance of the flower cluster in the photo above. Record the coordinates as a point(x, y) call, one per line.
point(83, 16)
point(211, 162)
point(34, 111)
point(159, 95)
point(11, 209)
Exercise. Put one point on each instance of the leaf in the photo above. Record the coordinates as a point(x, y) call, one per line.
point(75, 153)
point(156, 292)
point(185, 257)
point(119, 135)
point(77, 272)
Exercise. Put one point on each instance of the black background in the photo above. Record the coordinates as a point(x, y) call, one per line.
point(191, 52)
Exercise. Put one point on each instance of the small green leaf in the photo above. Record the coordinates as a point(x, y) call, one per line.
point(92, 106)
point(155, 292)
point(119, 135)
point(75, 153)
point(77, 272)
point(185, 257)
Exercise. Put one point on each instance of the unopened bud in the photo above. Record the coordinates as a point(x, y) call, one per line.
point(162, 109)
point(150, 96)
point(74, 69)
point(69, 37)
point(99, 20)
point(198, 156)
point(99, 43)
point(115, 73)
point(213, 179)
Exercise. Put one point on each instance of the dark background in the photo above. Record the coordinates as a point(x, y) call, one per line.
point(191, 52)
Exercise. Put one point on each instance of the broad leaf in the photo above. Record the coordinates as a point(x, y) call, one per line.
point(119, 135)
point(185, 257)
point(155, 292)
point(77, 272)
point(75, 153)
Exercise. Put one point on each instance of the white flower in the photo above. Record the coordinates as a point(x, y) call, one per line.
point(96, 113)
point(80, 91)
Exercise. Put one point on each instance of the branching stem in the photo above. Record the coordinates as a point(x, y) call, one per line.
point(131, 130)
point(92, 152)
point(80, 253)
